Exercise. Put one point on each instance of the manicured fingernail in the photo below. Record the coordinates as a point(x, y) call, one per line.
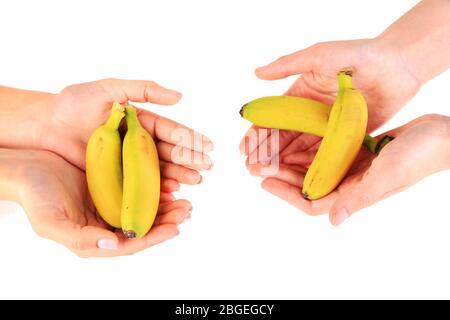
point(340, 216)
point(107, 244)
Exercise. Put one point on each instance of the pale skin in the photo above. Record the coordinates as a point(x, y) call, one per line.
point(388, 70)
point(49, 158)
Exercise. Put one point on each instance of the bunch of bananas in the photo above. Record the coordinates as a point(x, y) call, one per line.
point(343, 128)
point(124, 181)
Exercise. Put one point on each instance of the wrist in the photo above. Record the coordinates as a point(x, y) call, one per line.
point(421, 40)
point(11, 164)
point(24, 117)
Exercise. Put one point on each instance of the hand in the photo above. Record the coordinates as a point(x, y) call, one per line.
point(55, 197)
point(378, 73)
point(420, 148)
point(79, 109)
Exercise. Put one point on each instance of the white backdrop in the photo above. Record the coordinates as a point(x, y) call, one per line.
point(241, 242)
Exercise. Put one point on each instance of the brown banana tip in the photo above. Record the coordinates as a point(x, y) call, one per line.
point(130, 234)
point(346, 71)
point(241, 112)
point(306, 196)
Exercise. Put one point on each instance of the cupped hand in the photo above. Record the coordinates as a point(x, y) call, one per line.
point(79, 109)
point(54, 195)
point(420, 148)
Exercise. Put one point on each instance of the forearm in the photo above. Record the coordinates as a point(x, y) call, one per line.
point(10, 163)
point(23, 117)
point(422, 39)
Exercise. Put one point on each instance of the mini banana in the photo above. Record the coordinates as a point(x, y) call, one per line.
point(341, 143)
point(298, 114)
point(104, 167)
point(288, 113)
point(141, 184)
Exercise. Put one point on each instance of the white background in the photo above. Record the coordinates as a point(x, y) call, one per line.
point(241, 242)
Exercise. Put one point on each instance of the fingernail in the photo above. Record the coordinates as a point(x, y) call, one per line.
point(340, 216)
point(200, 180)
point(208, 147)
point(176, 233)
point(187, 218)
point(208, 163)
point(107, 244)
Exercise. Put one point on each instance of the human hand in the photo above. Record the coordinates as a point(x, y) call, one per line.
point(79, 109)
point(378, 73)
point(54, 195)
point(420, 148)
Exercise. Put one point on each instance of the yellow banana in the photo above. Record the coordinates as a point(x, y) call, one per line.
point(341, 143)
point(104, 167)
point(141, 183)
point(288, 113)
point(298, 114)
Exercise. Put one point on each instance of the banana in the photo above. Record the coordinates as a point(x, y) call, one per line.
point(341, 143)
point(298, 114)
point(141, 184)
point(288, 113)
point(104, 167)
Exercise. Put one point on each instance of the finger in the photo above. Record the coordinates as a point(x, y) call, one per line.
point(176, 216)
point(139, 91)
point(252, 139)
point(293, 195)
point(169, 185)
point(303, 158)
point(179, 173)
point(177, 204)
point(268, 149)
point(301, 143)
point(184, 156)
point(165, 197)
point(174, 133)
point(282, 173)
point(296, 63)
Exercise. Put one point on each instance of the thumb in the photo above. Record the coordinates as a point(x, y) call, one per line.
point(76, 237)
point(299, 62)
point(140, 91)
point(371, 188)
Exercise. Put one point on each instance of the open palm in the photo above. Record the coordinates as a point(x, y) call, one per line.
point(55, 197)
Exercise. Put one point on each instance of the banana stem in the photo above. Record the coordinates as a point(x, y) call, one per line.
point(374, 145)
point(116, 116)
point(131, 117)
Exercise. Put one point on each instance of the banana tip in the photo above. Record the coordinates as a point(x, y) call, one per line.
point(306, 196)
point(130, 234)
point(241, 112)
point(346, 71)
